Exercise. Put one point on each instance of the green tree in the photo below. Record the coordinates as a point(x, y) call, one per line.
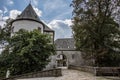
point(28, 52)
point(96, 30)
point(5, 32)
point(4, 62)
point(4, 41)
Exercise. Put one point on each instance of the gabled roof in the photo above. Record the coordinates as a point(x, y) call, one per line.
point(65, 44)
point(28, 13)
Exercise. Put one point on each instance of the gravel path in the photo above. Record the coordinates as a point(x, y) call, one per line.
point(75, 75)
point(79, 75)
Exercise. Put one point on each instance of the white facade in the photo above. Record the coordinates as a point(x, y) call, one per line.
point(72, 58)
point(27, 25)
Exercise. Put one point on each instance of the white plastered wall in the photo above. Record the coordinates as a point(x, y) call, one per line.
point(27, 25)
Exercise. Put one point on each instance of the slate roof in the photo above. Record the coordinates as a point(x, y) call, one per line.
point(65, 44)
point(28, 13)
point(47, 29)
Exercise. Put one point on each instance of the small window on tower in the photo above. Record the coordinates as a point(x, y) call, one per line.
point(39, 28)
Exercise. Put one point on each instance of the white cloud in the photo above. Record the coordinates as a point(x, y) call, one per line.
point(14, 13)
point(1, 11)
point(62, 28)
point(1, 14)
point(5, 10)
point(39, 12)
point(5, 18)
point(35, 2)
point(67, 22)
point(2, 23)
point(10, 2)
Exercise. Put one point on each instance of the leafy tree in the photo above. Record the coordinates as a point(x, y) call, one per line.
point(5, 32)
point(4, 63)
point(4, 41)
point(96, 30)
point(28, 52)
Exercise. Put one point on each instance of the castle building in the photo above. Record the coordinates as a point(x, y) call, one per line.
point(29, 20)
point(66, 53)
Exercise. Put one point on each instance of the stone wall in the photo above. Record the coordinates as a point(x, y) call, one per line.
point(108, 71)
point(99, 71)
point(86, 68)
point(45, 73)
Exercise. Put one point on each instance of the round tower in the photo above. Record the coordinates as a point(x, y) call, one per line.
point(28, 20)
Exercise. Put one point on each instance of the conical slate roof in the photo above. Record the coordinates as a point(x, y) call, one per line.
point(29, 13)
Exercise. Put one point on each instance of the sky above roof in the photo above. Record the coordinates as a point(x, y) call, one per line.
point(56, 14)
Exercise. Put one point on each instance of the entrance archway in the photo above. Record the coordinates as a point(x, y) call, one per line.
point(61, 60)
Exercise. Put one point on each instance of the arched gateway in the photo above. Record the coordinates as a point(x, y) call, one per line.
point(61, 60)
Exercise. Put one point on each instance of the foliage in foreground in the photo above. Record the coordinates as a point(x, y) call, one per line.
point(26, 52)
point(96, 30)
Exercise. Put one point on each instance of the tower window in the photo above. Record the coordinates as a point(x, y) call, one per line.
point(39, 28)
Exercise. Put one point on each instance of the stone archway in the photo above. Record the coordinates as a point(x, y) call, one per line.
point(61, 60)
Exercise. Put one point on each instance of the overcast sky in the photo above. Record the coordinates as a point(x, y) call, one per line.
point(56, 14)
